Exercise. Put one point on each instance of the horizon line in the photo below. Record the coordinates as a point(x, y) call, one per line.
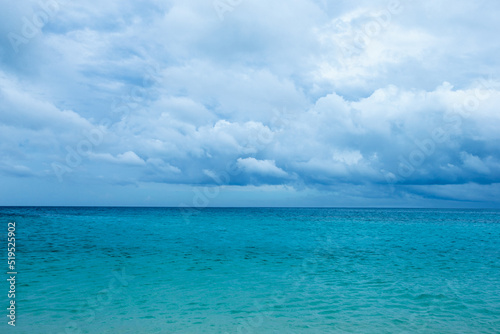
point(245, 207)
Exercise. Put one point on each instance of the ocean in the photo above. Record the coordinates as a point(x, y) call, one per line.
point(252, 270)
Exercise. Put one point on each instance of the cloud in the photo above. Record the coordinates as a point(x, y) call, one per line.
point(127, 158)
point(16, 170)
point(261, 167)
point(21, 109)
point(396, 100)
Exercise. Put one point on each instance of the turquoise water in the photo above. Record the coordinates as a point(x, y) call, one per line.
point(163, 270)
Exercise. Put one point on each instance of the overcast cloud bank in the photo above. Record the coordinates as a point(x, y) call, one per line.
point(314, 103)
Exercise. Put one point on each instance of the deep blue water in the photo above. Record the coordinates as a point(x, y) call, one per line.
point(164, 270)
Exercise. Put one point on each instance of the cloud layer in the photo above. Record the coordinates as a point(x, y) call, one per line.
point(313, 103)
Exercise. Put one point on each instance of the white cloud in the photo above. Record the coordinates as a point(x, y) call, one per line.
point(261, 167)
point(127, 158)
point(22, 108)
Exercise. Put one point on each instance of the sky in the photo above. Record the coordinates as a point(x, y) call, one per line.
point(197, 103)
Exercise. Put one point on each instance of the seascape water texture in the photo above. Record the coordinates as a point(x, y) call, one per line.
point(256, 270)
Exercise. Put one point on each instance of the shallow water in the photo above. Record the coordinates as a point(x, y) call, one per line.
point(165, 270)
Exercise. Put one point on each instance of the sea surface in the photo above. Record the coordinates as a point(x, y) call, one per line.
point(253, 270)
